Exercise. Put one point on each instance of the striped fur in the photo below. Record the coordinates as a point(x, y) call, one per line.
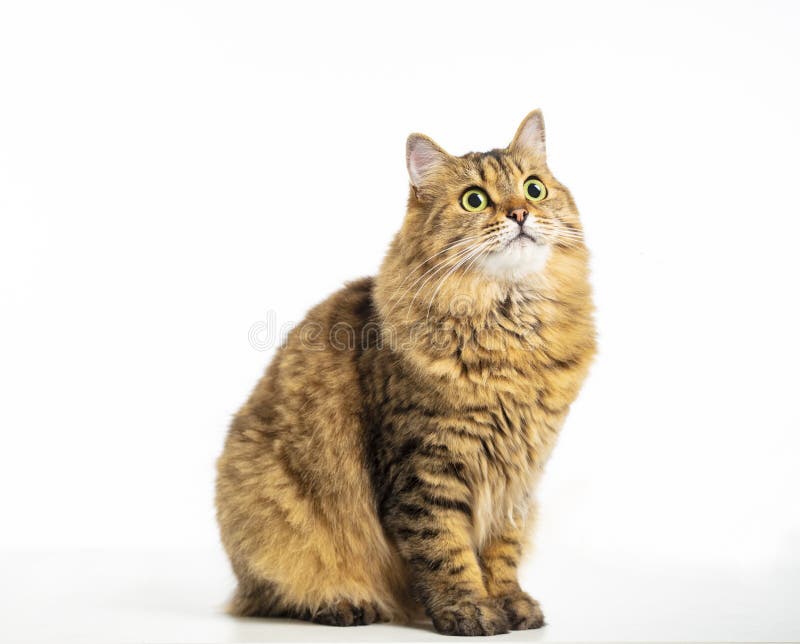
point(393, 473)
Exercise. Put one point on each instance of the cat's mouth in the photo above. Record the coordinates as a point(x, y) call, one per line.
point(523, 238)
point(523, 254)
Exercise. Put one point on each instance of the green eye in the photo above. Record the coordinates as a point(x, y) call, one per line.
point(534, 189)
point(474, 200)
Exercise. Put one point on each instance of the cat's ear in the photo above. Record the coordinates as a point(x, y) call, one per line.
point(529, 138)
point(423, 158)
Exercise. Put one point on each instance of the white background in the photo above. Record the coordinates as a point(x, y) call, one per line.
point(173, 173)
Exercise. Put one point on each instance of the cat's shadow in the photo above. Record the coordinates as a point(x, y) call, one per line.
point(275, 629)
point(250, 629)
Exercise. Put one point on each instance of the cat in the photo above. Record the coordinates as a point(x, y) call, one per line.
point(386, 462)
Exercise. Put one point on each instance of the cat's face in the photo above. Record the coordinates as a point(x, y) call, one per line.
point(501, 213)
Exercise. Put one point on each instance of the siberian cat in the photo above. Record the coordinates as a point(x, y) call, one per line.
point(386, 462)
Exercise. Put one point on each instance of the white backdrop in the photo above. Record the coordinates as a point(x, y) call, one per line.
point(173, 173)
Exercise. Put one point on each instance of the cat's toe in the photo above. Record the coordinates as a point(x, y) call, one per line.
point(523, 611)
point(484, 617)
point(372, 614)
point(347, 613)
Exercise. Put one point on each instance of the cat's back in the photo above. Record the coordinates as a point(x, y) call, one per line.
point(304, 414)
point(319, 356)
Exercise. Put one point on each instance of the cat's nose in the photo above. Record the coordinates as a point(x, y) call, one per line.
point(520, 214)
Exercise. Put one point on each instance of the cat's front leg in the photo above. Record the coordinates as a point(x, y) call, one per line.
point(429, 515)
point(499, 559)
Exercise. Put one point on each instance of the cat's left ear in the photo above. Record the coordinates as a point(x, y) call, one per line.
point(529, 138)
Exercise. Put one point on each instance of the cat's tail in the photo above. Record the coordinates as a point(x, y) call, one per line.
point(262, 599)
point(257, 599)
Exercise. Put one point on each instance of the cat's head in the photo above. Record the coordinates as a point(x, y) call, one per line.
point(499, 214)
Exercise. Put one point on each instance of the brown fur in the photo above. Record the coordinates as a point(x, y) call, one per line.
point(386, 461)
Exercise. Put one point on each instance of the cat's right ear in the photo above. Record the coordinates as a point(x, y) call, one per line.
point(423, 158)
point(529, 138)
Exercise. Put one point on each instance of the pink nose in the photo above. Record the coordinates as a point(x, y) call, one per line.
point(520, 214)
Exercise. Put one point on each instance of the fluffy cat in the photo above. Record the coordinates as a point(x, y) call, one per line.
point(386, 462)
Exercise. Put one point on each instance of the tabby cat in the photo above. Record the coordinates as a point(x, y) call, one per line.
point(385, 464)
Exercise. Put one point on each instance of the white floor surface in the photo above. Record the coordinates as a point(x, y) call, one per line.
point(119, 597)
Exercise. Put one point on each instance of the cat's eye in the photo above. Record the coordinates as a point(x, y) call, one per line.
point(534, 189)
point(474, 200)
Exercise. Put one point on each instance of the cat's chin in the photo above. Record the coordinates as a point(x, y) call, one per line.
point(517, 260)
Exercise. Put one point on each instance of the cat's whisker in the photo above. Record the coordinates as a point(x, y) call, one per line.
point(557, 223)
point(571, 238)
point(554, 236)
point(460, 242)
point(477, 253)
point(561, 233)
point(565, 240)
point(561, 230)
point(558, 233)
point(467, 268)
point(444, 279)
point(459, 256)
point(434, 269)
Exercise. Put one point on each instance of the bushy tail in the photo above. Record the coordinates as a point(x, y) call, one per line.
point(257, 599)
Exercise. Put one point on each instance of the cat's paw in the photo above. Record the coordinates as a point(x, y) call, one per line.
point(347, 613)
point(483, 617)
point(523, 611)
